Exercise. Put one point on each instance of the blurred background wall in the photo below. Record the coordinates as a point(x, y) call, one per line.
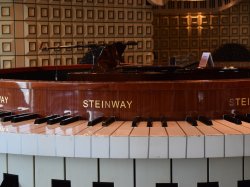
point(182, 31)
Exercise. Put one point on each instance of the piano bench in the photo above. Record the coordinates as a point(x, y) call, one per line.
point(60, 183)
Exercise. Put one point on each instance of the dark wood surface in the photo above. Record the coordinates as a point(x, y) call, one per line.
point(173, 99)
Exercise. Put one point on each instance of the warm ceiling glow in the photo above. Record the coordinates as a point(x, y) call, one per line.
point(162, 2)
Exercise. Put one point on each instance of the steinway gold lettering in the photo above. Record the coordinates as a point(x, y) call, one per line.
point(239, 101)
point(4, 99)
point(107, 104)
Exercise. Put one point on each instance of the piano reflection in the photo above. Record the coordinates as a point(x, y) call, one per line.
point(101, 123)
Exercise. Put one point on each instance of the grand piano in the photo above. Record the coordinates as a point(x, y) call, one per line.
point(104, 124)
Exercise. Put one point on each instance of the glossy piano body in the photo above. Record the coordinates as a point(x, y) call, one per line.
point(173, 93)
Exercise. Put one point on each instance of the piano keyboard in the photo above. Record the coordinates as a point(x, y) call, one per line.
point(126, 155)
point(120, 140)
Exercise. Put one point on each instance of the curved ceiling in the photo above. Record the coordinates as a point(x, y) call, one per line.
point(172, 6)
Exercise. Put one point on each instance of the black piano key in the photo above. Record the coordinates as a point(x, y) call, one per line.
point(56, 120)
point(205, 120)
point(5, 113)
point(95, 121)
point(149, 122)
point(70, 120)
point(164, 121)
point(243, 117)
point(208, 184)
point(8, 118)
point(108, 121)
point(45, 119)
point(103, 184)
point(24, 118)
point(136, 121)
point(244, 183)
point(192, 121)
point(232, 119)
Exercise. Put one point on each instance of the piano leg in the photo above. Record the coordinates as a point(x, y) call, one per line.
point(247, 168)
point(188, 172)
point(152, 171)
point(3, 165)
point(22, 166)
point(245, 182)
point(60, 183)
point(119, 171)
point(38, 171)
point(47, 168)
point(227, 171)
point(10, 180)
point(81, 171)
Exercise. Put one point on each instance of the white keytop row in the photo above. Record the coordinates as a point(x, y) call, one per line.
point(121, 140)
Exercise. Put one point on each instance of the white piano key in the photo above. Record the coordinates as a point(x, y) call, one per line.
point(227, 171)
point(177, 141)
point(83, 146)
point(158, 147)
point(245, 130)
point(152, 171)
point(46, 144)
point(78, 141)
point(119, 171)
point(48, 168)
point(214, 141)
point(247, 145)
point(3, 142)
point(246, 139)
point(81, 171)
point(100, 147)
point(138, 147)
point(233, 139)
point(65, 146)
point(177, 147)
point(29, 132)
point(22, 165)
point(158, 141)
point(214, 146)
point(119, 147)
point(83, 141)
point(65, 138)
point(188, 172)
point(234, 145)
point(13, 143)
point(195, 140)
point(71, 128)
point(3, 164)
point(29, 144)
point(139, 139)
point(119, 141)
point(101, 140)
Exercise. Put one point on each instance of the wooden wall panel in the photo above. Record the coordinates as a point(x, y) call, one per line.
point(204, 32)
point(41, 23)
